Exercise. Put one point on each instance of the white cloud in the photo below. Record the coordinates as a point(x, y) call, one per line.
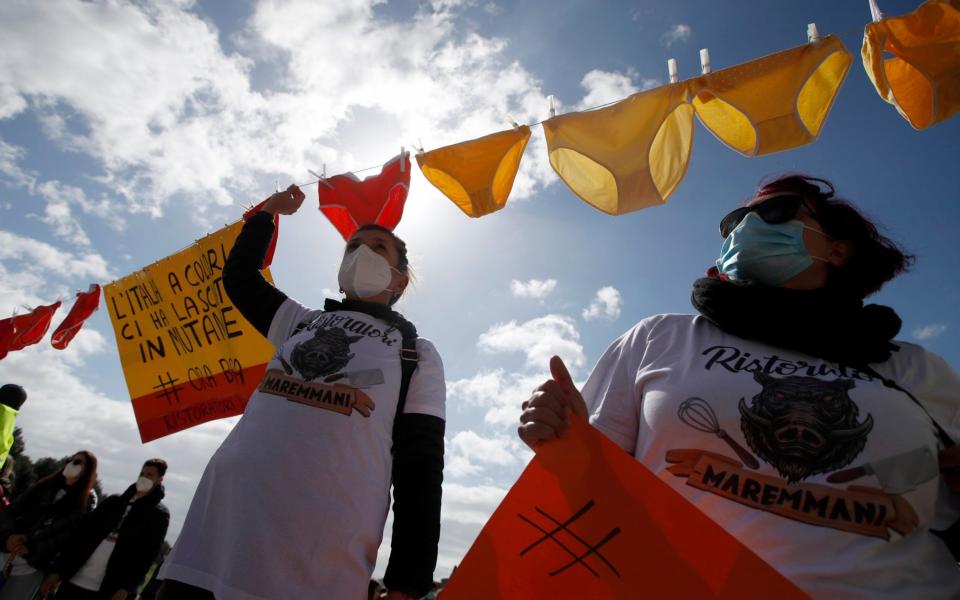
point(539, 339)
point(606, 304)
point(469, 453)
point(11, 102)
point(537, 289)
point(13, 174)
point(499, 392)
point(465, 510)
point(604, 87)
point(148, 92)
point(677, 33)
point(492, 9)
point(60, 199)
point(44, 257)
point(929, 331)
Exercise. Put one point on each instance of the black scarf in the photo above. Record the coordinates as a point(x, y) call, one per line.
point(379, 311)
point(823, 322)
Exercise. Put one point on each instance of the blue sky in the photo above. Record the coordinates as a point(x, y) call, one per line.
point(127, 131)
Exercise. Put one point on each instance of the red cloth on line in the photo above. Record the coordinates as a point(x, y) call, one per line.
point(27, 329)
point(87, 302)
point(276, 232)
point(350, 203)
point(6, 333)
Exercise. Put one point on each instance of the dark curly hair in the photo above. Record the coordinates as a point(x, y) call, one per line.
point(875, 259)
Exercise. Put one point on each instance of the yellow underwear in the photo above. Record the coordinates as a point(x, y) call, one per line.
point(922, 78)
point(477, 175)
point(634, 153)
point(627, 156)
point(773, 103)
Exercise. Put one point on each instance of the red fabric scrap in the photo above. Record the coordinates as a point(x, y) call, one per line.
point(6, 333)
point(350, 203)
point(30, 328)
point(85, 305)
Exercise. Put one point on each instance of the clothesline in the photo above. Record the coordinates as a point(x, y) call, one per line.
point(846, 32)
point(381, 165)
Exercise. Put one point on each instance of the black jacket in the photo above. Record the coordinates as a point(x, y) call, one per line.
point(138, 540)
point(48, 524)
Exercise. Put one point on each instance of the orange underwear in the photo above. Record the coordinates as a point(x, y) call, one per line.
point(477, 175)
point(634, 153)
point(922, 78)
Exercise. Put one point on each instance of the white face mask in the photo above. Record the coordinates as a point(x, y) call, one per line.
point(364, 273)
point(72, 470)
point(144, 485)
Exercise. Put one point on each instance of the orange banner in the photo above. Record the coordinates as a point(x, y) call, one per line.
point(188, 356)
point(586, 520)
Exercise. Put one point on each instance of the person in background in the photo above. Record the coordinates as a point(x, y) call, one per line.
point(37, 524)
point(109, 556)
point(12, 397)
point(788, 384)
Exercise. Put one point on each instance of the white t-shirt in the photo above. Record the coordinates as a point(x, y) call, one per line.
point(750, 433)
point(293, 503)
point(90, 576)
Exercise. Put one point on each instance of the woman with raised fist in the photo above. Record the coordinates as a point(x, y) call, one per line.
point(293, 503)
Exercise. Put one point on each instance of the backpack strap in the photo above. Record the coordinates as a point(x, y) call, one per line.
point(409, 360)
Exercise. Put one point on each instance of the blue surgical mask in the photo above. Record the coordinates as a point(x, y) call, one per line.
point(765, 253)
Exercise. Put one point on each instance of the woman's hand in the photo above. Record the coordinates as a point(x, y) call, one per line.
point(546, 414)
point(286, 202)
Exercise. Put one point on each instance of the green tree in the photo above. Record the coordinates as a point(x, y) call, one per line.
point(23, 476)
point(46, 466)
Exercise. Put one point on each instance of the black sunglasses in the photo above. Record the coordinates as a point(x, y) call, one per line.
point(778, 209)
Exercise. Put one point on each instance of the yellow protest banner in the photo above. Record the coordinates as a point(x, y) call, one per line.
point(187, 354)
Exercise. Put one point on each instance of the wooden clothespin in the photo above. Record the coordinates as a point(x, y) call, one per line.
point(812, 34)
point(672, 70)
point(704, 60)
point(553, 107)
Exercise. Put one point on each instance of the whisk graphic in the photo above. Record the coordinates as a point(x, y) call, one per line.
point(697, 413)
